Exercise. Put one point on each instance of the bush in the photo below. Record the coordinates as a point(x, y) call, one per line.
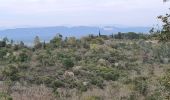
point(108, 73)
point(57, 83)
point(141, 85)
point(82, 87)
point(4, 96)
point(154, 96)
point(165, 81)
point(2, 53)
point(110, 76)
point(68, 63)
point(23, 66)
point(98, 81)
point(23, 57)
point(11, 72)
point(93, 98)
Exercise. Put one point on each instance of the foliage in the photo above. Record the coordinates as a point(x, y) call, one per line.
point(68, 63)
point(165, 32)
point(4, 96)
point(37, 42)
point(94, 62)
point(11, 72)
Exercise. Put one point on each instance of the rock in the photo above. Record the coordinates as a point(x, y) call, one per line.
point(116, 64)
point(68, 74)
point(165, 60)
point(152, 41)
point(77, 68)
point(102, 62)
point(85, 83)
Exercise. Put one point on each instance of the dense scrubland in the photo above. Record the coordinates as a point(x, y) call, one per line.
point(124, 66)
point(118, 67)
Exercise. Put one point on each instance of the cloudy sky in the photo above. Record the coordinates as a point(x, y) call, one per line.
point(80, 12)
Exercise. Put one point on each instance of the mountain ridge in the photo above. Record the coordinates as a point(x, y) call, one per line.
point(47, 33)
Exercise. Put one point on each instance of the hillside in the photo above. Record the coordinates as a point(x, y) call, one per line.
point(89, 68)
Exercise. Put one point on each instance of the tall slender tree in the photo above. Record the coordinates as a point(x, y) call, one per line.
point(37, 42)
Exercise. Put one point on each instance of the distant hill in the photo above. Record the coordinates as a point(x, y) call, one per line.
point(47, 33)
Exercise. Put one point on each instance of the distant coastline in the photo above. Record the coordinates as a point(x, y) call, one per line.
point(47, 33)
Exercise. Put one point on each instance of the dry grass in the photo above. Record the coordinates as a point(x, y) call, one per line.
point(32, 93)
point(110, 92)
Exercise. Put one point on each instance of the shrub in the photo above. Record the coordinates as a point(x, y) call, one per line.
point(4, 96)
point(82, 87)
point(98, 81)
point(141, 85)
point(68, 63)
point(108, 73)
point(23, 57)
point(11, 72)
point(2, 53)
point(165, 81)
point(133, 96)
point(93, 98)
point(23, 66)
point(154, 96)
point(57, 83)
point(111, 76)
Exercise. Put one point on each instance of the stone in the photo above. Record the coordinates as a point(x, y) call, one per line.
point(116, 64)
point(77, 68)
point(68, 74)
point(85, 83)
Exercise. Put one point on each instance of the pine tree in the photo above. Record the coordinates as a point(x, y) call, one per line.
point(37, 43)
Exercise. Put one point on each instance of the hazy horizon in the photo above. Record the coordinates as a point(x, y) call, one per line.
point(42, 13)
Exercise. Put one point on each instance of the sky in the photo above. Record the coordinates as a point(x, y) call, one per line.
point(20, 13)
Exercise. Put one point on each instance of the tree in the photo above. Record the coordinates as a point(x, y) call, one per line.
point(72, 41)
point(165, 32)
point(37, 43)
point(3, 52)
point(5, 39)
point(132, 35)
point(44, 45)
point(162, 35)
point(12, 42)
point(21, 44)
point(57, 40)
point(2, 44)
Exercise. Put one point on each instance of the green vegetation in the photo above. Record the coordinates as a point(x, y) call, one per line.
point(125, 66)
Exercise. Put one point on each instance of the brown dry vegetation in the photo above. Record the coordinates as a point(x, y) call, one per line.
point(91, 68)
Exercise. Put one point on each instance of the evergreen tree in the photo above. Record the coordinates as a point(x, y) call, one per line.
point(37, 43)
point(21, 44)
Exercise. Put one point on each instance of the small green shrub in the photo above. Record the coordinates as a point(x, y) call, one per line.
point(82, 87)
point(57, 83)
point(98, 81)
point(4, 96)
point(68, 63)
point(141, 85)
point(23, 57)
point(3, 52)
point(11, 72)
